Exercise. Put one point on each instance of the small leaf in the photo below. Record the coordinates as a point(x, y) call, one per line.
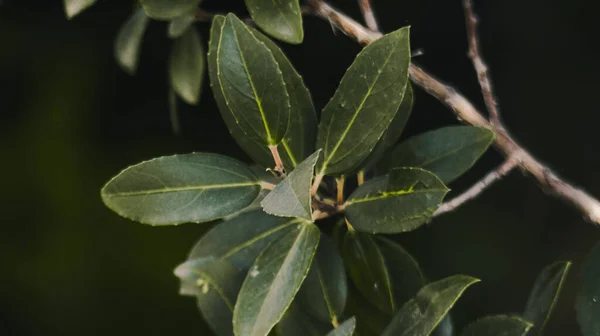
point(274, 280)
point(544, 295)
point(364, 104)
point(587, 304)
point(186, 66)
point(281, 19)
point(168, 9)
point(197, 187)
point(344, 329)
point(447, 152)
point(420, 315)
point(74, 7)
point(129, 41)
point(499, 325)
point(399, 202)
point(180, 25)
point(368, 271)
point(325, 289)
point(291, 197)
point(241, 239)
point(252, 84)
point(297, 322)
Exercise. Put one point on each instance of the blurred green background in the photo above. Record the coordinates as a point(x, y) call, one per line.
point(71, 119)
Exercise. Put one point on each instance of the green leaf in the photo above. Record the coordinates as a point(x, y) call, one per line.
point(186, 66)
point(297, 322)
point(217, 285)
point(291, 197)
point(241, 239)
point(445, 328)
point(498, 325)
point(74, 7)
point(587, 304)
point(420, 315)
point(344, 329)
point(447, 152)
point(371, 320)
point(129, 41)
point(197, 187)
point(180, 25)
point(281, 19)
point(274, 280)
point(399, 202)
point(252, 84)
point(368, 271)
point(544, 295)
point(168, 9)
point(364, 104)
point(325, 289)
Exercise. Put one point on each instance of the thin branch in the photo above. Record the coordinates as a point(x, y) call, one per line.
point(267, 185)
point(339, 182)
point(368, 15)
point(279, 168)
point(478, 187)
point(479, 65)
point(360, 177)
point(579, 199)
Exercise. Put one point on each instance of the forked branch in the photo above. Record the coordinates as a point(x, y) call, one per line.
point(367, 12)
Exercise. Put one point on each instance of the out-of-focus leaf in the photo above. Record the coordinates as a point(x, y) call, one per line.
point(197, 187)
point(180, 24)
point(399, 202)
point(281, 19)
point(129, 41)
point(587, 304)
point(297, 322)
point(168, 9)
point(445, 328)
point(344, 329)
point(370, 319)
point(186, 66)
point(274, 280)
point(499, 325)
point(74, 7)
point(364, 104)
point(544, 295)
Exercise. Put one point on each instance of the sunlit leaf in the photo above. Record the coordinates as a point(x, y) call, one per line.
point(499, 325)
point(364, 104)
point(344, 329)
point(168, 9)
point(399, 202)
point(274, 280)
point(197, 187)
point(180, 24)
point(74, 7)
point(281, 19)
point(421, 315)
point(587, 304)
point(186, 66)
point(129, 41)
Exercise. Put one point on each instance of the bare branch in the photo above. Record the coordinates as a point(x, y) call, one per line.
point(368, 15)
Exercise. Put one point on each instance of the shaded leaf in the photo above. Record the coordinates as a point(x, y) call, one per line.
point(252, 84)
point(587, 304)
point(74, 7)
point(499, 325)
point(180, 25)
point(399, 202)
point(168, 9)
point(281, 19)
point(291, 197)
point(297, 322)
point(370, 319)
point(325, 289)
point(421, 315)
point(186, 66)
point(274, 280)
point(544, 295)
point(445, 328)
point(364, 104)
point(447, 152)
point(197, 187)
point(129, 41)
point(344, 329)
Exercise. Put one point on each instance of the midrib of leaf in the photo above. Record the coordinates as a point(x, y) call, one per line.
point(218, 289)
point(359, 109)
point(179, 189)
point(326, 297)
point(391, 194)
point(554, 299)
point(257, 238)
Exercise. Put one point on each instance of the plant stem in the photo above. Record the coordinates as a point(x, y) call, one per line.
point(360, 177)
point(368, 15)
point(278, 163)
point(316, 184)
point(340, 181)
point(267, 185)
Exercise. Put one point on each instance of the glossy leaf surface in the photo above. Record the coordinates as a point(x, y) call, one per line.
point(129, 41)
point(186, 66)
point(281, 19)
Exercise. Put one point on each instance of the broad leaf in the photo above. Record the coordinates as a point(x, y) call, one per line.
point(447, 152)
point(420, 315)
point(368, 271)
point(74, 7)
point(252, 84)
point(291, 197)
point(186, 66)
point(445, 328)
point(364, 104)
point(281, 19)
point(325, 290)
point(129, 41)
point(544, 295)
point(217, 285)
point(344, 329)
point(588, 299)
point(274, 280)
point(197, 187)
point(241, 239)
point(297, 322)
point(399, 202)
point(168, 9)
point(180, 25)
point(499, 325)
point(371, 320)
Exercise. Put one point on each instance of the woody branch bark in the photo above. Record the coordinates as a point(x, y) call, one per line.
point(464, 109)
point(368, 15)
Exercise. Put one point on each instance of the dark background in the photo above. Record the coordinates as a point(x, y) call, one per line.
point(71, 119)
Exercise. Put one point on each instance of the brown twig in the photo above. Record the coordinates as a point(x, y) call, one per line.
point(579, 199)
point(368, 15)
